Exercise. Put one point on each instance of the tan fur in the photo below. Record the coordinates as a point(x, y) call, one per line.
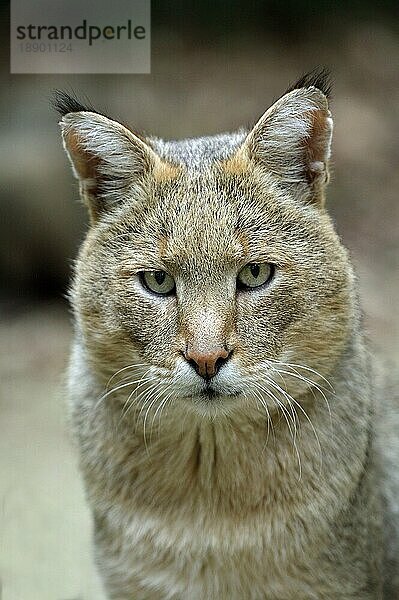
point(164, 172)
point(268, 491)
point(237, 164)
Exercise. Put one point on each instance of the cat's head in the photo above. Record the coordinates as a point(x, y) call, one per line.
point(211, 262)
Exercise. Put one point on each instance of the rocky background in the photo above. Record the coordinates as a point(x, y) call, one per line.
point(215, 66)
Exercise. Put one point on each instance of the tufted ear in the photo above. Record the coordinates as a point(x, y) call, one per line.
point(292, 140)
point(108, 159)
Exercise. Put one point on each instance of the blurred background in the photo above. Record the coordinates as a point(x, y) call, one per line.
point(216, 65)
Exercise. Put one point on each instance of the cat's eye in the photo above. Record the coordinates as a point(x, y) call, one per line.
point(254, 275)
point(158, 282)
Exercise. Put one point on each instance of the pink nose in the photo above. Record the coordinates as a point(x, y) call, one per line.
point(207, 364)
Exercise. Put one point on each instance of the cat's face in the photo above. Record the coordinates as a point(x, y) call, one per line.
point(221, 275)
point(240, 266)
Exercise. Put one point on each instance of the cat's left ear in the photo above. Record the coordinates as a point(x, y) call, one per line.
point(292, 141)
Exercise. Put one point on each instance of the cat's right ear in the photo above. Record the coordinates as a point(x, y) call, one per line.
point(109, 161)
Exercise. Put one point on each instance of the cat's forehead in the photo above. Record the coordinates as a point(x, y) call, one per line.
point(198, 218)
point(212, 203)
point(210, 218)
point(197, 153)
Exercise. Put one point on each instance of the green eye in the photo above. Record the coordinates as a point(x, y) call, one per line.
point(158, 282)
point(254, 275)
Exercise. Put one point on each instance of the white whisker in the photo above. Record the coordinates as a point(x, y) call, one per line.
point(289, 399)
point(311, 385)
point(287, 417)
point(132, 399)
point(305, 368)
point(122, 370)
point(153, 401)
point(262, 402)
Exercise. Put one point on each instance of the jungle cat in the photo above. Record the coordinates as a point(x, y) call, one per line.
point(220, 390)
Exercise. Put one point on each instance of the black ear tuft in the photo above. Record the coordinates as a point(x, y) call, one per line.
point(65, 103)
point(319, 78)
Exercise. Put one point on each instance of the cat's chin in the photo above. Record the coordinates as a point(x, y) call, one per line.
point(213, 392)
point(210, 394)
point(211, 402)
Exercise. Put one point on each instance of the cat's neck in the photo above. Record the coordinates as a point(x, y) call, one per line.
point(231, 464)
point(232, 461)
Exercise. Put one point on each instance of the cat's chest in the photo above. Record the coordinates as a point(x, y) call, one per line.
point(199, 557)
point(259, 557)
point(213, 515)
point(210, 506)
point(210, 481)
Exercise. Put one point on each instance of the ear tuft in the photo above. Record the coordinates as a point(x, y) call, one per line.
point(65, 103)
point(319, 78)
